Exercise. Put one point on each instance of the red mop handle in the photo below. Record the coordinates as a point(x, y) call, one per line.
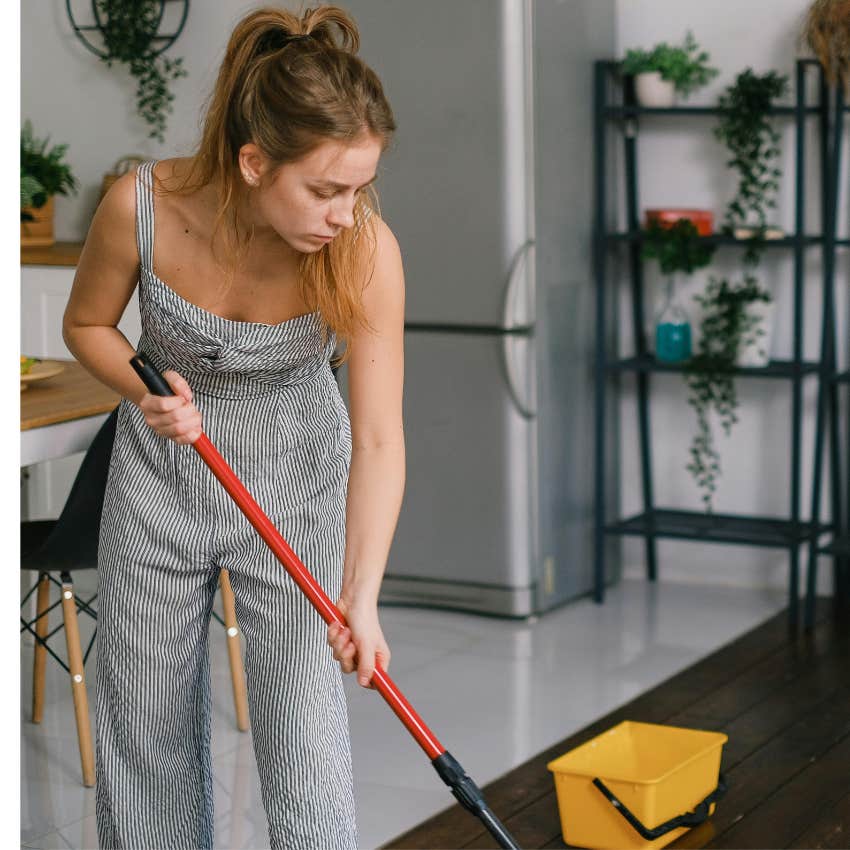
point(157, 385)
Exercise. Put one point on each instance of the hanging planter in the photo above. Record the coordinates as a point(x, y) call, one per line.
point(130, 32)
point(746, 128)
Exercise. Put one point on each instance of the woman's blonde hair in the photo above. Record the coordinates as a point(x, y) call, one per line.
point(288, 96)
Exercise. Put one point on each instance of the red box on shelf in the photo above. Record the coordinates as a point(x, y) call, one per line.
point(703, 219)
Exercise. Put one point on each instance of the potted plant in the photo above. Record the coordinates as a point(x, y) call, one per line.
point(827, 33)
point(43, 175)
point(733, 326)
point(678, 248)
point(745, 128)
point(665, 70)
point(129, 28)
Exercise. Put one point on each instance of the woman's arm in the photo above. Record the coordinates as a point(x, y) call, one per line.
point(377, 473)
point(106, 277)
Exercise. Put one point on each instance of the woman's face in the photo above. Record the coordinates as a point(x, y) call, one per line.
point(307, 203)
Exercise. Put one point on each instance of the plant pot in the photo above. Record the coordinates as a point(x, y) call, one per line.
point(770, 232)
point(39, 231)
point(653, 91)
point(702, 220)
point(757, 353)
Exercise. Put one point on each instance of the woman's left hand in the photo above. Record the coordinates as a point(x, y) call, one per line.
point(360, 646)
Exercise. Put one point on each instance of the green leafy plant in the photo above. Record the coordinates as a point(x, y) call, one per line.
point(677, 247)
point(686, 66)
point(128, 28)
point(753, 143)
point(726, 327)
point(43, 172)
point(31, 192)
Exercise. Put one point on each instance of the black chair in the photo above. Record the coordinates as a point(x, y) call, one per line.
point(69, 544)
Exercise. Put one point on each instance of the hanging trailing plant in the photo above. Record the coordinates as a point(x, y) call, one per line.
point(753, 142)
point(726, 327)
point(129, 28)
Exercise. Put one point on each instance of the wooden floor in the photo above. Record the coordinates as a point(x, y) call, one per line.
point(783, 702)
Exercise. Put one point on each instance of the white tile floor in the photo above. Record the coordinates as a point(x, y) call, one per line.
point(494, 692)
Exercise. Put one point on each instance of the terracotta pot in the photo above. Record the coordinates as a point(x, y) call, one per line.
point(703, 220)
point(39, 231)
point(654, 92)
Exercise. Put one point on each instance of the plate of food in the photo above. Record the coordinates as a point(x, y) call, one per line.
point(33, 369)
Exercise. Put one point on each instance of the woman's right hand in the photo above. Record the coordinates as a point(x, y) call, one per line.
point(173, 416)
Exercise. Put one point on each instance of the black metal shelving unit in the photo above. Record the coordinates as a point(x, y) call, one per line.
point(789, 532)
point(832, 380)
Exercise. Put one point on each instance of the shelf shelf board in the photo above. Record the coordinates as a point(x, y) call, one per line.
point(839, 546)
point(842, 377)
point(774, 369)
point(769, 532)
point(635, 111)
point(723, 239)
point(57, 254)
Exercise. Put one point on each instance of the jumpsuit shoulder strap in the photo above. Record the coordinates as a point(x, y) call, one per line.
point(144, 213)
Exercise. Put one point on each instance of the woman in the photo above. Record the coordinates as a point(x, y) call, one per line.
point(253, 258)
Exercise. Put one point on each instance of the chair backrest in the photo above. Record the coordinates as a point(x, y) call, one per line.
point(72, 544)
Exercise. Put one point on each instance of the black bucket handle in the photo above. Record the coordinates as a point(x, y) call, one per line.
point(694, 818)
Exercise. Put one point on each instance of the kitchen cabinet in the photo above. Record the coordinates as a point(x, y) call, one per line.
point(45, 288)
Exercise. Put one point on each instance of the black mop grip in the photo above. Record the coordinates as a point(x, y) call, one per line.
point(463, 787)
point(470, 797)
point(156, 384)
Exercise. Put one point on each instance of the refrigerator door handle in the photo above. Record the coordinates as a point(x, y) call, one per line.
point(513, 287)
point(511, 342)
point(515, 335)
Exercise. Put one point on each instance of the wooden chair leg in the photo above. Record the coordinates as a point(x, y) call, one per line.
point(78, 683)
point(40, 659)
point(234, 651)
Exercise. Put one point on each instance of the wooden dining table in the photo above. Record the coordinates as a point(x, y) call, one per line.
point(61, 414)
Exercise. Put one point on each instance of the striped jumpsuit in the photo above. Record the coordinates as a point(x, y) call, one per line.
point(271, 405)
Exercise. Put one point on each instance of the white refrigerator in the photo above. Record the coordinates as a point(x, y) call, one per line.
point(488, 188)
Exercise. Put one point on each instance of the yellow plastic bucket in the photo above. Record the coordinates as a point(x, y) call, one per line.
point(646, 776)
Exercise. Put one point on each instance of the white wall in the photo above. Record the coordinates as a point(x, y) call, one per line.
point(74, 98)
point(681, 164)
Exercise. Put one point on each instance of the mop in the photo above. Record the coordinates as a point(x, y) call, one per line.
point(448, 768)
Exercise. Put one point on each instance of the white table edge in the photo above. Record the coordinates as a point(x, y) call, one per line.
point(49, 442)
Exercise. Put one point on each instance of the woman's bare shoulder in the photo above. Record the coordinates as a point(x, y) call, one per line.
point(386, 283)
point(380, 232)
point(169, 173)
point(176, 205)
point(387, 249)
point(112, 232)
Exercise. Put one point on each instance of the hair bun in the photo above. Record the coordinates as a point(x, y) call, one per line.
point(332, 27)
